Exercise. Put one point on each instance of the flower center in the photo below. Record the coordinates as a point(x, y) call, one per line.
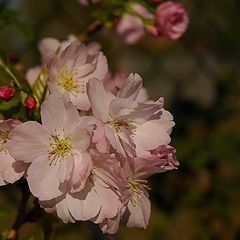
point(59, 149)
point(4, 136)
point(68, 83)
point(118, 123)
point(138, 188)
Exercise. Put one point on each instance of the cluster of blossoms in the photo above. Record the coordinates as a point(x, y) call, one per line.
point(97, 143)
point(169, 20)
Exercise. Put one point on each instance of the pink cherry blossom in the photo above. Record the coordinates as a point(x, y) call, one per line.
point(171, 20)
point(136, 207)
point(70, 72)
point(99, 199)
point(57, 149)
point(130, 28)
point(50, 47)
point(10, 170)
point(128, 126)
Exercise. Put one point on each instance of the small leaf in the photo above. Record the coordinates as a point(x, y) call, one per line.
point(4, 106)
point(39, 87)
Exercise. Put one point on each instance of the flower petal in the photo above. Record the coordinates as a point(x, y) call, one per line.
point(59, 115)
point(131, 87)
point(28, 141)
point(138, 214)
point(43, 179)
point(96, 93)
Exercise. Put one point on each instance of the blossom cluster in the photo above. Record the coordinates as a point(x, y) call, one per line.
point(97, 143)
point(168, 19)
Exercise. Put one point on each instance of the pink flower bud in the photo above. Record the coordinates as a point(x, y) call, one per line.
point(131, 28)
point(172, 20)
point(30, 103)
point(7, 93)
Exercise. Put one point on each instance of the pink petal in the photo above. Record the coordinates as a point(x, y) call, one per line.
point(84, 205)
point(138, 214)
point(151, 134)
point(43, 179)
point(82, 169)
point(131, 87)
point(63, 212)
point(28, 141)
point(59, 115)
point(7, 170)
point(96, 93)
point(101, 68)
point(81, 138)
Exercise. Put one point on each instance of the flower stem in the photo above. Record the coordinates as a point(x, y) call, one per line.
point(20, 219)
point(10, 73)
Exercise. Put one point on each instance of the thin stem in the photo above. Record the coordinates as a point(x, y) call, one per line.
point(10, 73)
point(20, 219)
point(90, 30)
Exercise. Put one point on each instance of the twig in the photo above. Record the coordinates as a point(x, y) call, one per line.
point(20, 219)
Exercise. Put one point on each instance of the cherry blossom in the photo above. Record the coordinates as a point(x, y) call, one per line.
point(136, 207)
point(57, 149)
point(70, 72)
point(10, 170)
point(128, 126)
point(99, 199)
point(171, 20)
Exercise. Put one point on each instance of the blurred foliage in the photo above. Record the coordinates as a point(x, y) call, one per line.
point(199, 77)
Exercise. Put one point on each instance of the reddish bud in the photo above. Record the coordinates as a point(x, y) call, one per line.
point(7, 93)
point(30, 103)
point(171, 20)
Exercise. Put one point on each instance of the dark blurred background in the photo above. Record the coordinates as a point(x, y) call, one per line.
point(199, 77)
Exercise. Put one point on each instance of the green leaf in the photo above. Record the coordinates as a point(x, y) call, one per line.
point(39, 87)
point(4, 106)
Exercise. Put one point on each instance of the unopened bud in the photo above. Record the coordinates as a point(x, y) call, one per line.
point(7, 93)
point(30, 103)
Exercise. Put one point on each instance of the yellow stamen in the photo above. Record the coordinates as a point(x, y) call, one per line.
point(69, 83)
point(138, 188)
point(59, 149)
point(4, 136)
point(118, 123)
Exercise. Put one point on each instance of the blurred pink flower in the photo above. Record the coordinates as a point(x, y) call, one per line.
point(10, 170)
point(171, 20)
point(131, 25)
point(57, 150)
point(130, 28)
point(70, 71)
point(7, 93)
